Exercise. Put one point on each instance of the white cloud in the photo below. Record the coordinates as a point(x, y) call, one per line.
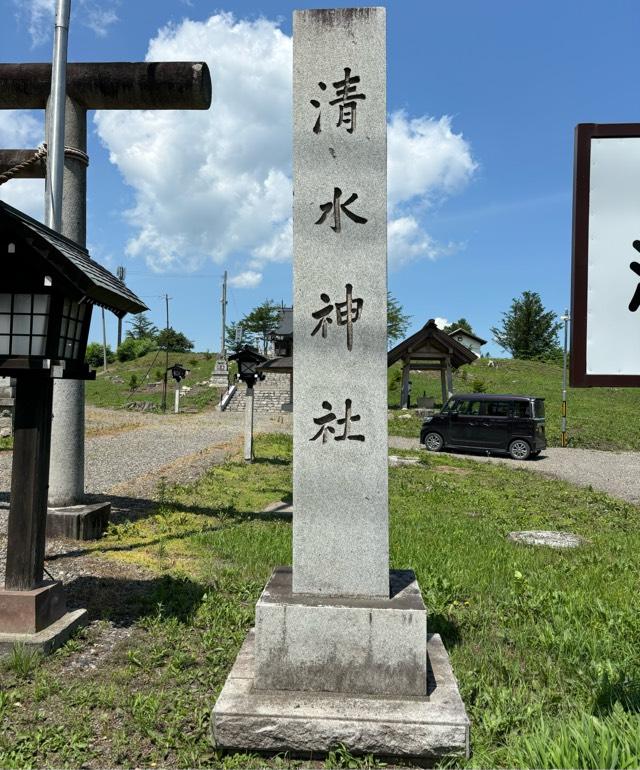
point(216, 185)
point(248, 279)
point(99, 18)
point(426, 160)
point(441, 322)
point(98, 15)
point(22, 129)
point(408, 242)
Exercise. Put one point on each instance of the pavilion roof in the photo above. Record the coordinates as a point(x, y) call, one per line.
point(430, 333)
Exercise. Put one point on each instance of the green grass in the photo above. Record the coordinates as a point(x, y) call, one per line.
point(112, 389)
point(598, 418)
point(544, 643)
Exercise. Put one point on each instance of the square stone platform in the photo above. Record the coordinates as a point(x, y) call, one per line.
point(50, 638)
point(303, 723)
point(78, 522)
point(352, 645)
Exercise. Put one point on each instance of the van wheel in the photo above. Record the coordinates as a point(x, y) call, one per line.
point(519, 449)
point(433, 442)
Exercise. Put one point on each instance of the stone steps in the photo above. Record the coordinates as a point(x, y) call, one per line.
point(270, 395)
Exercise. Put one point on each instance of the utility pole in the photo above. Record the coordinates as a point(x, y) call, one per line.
point(565, 318)
point(223, 301)
point(166, 357)
point(121, 274)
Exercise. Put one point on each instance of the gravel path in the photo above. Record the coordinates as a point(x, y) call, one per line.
point(121, 447)
point(616, 473)
point(126, 454)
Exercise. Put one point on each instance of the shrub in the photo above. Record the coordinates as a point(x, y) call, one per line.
point(94, 355)
point(131, 349)
point(133, 382)
point(478, 386)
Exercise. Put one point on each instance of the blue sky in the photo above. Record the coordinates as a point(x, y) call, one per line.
point(482, 100)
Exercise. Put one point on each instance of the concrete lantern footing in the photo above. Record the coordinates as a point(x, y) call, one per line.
point(78, 522)
point(304, 723)
point(50, 638)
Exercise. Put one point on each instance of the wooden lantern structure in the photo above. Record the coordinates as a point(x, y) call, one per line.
point(249, 363)
point(49, 287)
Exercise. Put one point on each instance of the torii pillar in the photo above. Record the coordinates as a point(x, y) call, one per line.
point(90, 86)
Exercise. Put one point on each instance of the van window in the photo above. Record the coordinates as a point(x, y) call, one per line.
point(497, 408)
point(469, 407)
point(522, 409)
point(539, 407)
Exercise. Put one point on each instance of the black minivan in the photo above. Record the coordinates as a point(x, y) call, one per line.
point(513, 424)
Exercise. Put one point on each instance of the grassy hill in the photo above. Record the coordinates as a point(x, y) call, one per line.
point(113, 388)
point(597, 418)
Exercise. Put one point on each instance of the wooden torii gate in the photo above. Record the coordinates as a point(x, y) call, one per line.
point(90, 86)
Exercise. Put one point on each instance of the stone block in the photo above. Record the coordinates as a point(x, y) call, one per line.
point(50, 638)
point(341, 644)
point(28, 612)
point(78, 522)
point(303, 723)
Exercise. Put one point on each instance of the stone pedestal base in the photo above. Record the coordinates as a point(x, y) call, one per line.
point(342, 644)
point(78, 522)
point(50, 638)
point(304, 723)
point(27, 612)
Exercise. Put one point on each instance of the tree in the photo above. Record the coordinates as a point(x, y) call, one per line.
point(230, 341)
point(262, 320)
point(176, 342)
point(94, 355)
point(528, 330)
point(461, 323)
point(141, 327)
point(397, 321)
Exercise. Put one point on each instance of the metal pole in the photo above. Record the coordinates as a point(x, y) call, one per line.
point(223, 349)
point(248, 424)
point(56, 124)
point(176, 400)
point(566, 318)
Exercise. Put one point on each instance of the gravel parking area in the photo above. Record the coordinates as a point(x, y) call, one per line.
point(616, 473)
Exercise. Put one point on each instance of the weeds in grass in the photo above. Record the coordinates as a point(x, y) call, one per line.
point(342, 757)
point(23, 660)
point(583, 741)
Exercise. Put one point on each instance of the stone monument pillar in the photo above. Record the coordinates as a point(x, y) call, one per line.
point(339, 653)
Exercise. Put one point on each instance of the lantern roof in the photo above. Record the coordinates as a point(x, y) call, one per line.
point(72, 262)
point(248, 353)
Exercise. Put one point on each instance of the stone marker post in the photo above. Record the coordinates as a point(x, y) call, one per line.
point(339, 653)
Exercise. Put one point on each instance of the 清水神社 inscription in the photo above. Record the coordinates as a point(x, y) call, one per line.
point(340, 313)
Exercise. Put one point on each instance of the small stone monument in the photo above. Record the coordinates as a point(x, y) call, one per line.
point(220, 375)
point(340, 653)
